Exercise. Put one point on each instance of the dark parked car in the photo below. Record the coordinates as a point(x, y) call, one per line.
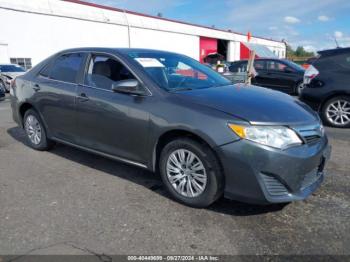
point(2, 93)
point(278, 74)
point(327, 86)
point(7, 73)
point(166, 112)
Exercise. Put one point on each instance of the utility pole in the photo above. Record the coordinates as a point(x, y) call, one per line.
point(128, 25)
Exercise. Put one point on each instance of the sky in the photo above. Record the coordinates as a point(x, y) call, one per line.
point(313, 24)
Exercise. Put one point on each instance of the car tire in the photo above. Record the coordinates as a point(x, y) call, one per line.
point(3, 87)
point(336, 112)
point(35, 131)
point(204, 186)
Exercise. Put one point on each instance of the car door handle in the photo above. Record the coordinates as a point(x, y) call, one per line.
point(36, 87)
point(83, 97)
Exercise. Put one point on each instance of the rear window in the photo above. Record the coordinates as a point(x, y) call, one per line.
point(65, 68)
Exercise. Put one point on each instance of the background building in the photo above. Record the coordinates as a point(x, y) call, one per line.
point(33, 30)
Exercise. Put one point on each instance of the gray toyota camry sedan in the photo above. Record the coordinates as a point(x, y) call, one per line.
point(169, 114)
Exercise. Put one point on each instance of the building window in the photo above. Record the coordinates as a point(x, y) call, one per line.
point(26, 63)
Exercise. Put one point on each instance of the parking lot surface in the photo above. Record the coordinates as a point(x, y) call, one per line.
point(66, 201)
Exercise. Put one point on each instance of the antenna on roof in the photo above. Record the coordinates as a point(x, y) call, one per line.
point(336, 42)
point(160, 14)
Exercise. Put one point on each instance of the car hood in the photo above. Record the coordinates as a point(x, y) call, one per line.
point(253, 104)
point(12, 74)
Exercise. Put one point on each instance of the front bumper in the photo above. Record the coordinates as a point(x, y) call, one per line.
point(259, 174)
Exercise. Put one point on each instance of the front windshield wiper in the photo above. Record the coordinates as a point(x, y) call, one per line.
point(180, 89)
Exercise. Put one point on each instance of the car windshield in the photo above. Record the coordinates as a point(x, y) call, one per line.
point(175, 72)
point(11, 68)
point(294, 65)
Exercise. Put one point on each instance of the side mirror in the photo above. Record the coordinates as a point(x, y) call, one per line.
point(129, 86)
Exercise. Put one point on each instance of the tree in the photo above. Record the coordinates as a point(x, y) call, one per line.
point(299, 52)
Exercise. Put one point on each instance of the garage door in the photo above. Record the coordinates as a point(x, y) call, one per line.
point(207, 46)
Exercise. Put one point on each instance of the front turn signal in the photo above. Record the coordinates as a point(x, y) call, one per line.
point(239, 130)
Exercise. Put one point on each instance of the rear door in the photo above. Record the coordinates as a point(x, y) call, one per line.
point(55, 95)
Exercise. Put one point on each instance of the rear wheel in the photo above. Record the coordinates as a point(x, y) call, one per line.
point(35, 131)
point(298, 88)
point(191, 172)
point(336, 111)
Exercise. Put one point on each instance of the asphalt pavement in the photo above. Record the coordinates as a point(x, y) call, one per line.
point(66, 201)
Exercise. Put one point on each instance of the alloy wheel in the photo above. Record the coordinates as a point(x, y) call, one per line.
point(300, 87)
point(33, 129)
point(2, 86)
point(338, 112)
point(186, 173)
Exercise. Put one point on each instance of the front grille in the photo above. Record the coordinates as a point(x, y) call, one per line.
point(312, 139)
point(310, 134)
point(274, 187)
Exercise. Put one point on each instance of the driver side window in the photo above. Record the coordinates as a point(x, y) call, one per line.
point(104, 71)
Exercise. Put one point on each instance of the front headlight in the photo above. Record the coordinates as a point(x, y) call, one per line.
point(275, 136)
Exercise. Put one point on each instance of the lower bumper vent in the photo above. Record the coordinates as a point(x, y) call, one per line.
point(274, 187)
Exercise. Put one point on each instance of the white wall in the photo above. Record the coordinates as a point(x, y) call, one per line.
point(39, 36)
point(233, 51)
point(174, 42)
point(41, 27)
point(4, 57)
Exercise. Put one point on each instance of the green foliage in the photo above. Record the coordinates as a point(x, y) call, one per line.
point(299, 52)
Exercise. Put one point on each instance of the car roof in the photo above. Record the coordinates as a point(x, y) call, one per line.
point(261, 59)
point(335, 51)
point(112, 50)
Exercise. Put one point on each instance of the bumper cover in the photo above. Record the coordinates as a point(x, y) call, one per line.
point(259, 174)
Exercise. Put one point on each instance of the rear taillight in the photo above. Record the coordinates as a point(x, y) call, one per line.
point(310, 73)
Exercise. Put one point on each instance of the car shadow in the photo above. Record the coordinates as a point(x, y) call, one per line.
point(142, 177)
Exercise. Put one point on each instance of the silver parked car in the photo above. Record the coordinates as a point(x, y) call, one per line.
point(7, 73)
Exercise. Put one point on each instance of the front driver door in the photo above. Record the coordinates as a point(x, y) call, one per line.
point(112, 123)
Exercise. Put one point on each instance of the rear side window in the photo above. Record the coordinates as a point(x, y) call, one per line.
point(343, 60)
point(333, 63)
point(65, 68)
